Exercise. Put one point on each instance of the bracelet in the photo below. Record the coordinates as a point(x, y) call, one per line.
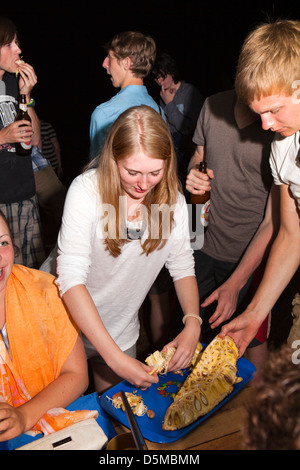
point(192, 315)
point(31, 103)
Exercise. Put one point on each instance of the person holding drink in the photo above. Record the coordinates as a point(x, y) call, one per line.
point(17, 194)
point(236, 150)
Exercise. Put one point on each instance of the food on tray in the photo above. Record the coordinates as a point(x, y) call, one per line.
point(197, 354)
point(159, 360)
point(150, 414)
point(135, 401)
point(210, 381)
point(165, 388)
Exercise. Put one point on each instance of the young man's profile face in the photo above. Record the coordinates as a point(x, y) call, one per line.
point(115, 69)
point(279, 113)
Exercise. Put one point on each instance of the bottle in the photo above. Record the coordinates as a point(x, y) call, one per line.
point(23, 148)
point(200, 210)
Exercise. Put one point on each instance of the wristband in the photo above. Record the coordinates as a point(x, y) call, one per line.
point(192, 315)
point(31, 103)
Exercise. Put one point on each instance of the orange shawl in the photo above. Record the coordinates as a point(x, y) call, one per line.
point(41, 337)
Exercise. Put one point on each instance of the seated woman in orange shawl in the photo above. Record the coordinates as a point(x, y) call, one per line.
point(42, 361)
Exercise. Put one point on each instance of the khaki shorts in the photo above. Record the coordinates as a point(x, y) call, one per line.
point(92, 353)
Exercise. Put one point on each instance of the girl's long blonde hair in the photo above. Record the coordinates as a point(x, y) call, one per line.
point(140, 128)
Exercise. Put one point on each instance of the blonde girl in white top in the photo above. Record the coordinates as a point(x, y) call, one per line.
point(111, 248)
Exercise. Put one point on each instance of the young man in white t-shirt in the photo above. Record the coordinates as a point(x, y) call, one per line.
point(268, 80)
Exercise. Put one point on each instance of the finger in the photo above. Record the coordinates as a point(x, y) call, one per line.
point(27, 68)
point(199, 178)
point(241, 347)
point(171, 344)
point(28, 79)
point(23, 123)
point(4, 420)
point(152, 376)
point(180, 364)
point(210, 299)
point(214, 322)
point(153, 379)
point(222, 312)
point(180, 360)
point(200, 184)
point(215, 317)
point(3, 424)
point(225, 331)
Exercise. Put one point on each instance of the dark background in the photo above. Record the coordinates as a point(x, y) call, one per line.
point(63, 41)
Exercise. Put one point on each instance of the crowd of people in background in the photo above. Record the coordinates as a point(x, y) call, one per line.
point(105, 234)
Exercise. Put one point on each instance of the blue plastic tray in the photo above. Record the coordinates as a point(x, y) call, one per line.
point(158, 399)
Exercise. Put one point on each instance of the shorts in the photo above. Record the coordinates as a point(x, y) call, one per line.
point(92, 353)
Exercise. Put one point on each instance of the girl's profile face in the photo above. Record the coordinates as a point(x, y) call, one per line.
point(9, 54)
point(6, 255)
point(139, 174)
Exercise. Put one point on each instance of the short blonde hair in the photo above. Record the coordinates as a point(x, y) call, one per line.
point(138, 128)
point(269, 61)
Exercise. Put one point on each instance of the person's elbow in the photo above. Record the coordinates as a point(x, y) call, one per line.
point(83, 383)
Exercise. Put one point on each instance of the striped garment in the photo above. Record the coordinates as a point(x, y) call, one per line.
point(24, 222)
point(48, 133)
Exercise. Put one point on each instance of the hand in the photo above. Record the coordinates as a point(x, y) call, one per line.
point(135, 372)
point(12, 422)
point(242, 330)
point(197, 182)
point(185, 344)
point(18, 131)
point(167, 94)
point(227, 300)
point(28, 78)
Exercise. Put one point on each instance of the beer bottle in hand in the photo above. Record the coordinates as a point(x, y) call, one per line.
point(23, 148)
point(200, 210)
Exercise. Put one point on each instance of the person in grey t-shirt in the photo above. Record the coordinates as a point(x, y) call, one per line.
point(237, 152)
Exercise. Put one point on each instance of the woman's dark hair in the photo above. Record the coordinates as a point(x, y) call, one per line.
point(8, 31)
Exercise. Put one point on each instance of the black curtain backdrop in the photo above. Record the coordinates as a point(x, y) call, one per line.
point(63, 41)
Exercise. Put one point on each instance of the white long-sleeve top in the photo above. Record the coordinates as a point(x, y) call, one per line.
point(118, 286)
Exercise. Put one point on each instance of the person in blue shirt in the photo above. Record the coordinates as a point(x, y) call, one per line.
point(130, 58)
